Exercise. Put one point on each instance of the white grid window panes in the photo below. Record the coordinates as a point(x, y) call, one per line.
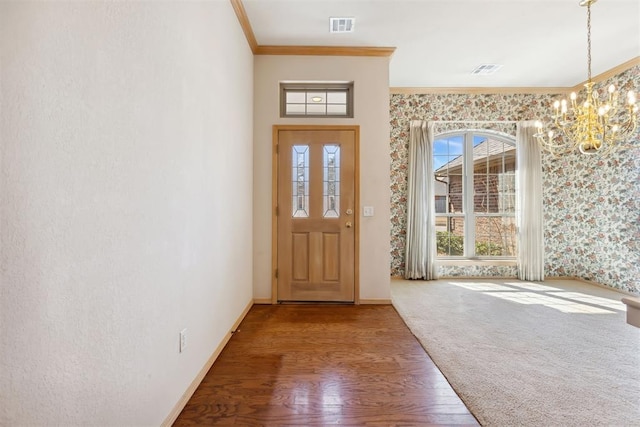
point(475, 195)
point(316, 99)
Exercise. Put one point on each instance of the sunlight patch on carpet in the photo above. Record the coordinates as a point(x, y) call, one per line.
point(522, 353)
point(566, 302)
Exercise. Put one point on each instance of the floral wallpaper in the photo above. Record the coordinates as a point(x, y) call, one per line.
point(591, 203)
point(477, 271)
point(592, 211)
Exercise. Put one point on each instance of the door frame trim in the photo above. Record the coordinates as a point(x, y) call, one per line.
point(274, 202)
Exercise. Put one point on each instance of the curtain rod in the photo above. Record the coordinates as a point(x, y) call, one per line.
point(474, 121)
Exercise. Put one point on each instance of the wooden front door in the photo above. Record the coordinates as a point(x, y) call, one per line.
point(316, 213)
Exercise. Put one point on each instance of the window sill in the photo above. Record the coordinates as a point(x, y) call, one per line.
point(476, 262)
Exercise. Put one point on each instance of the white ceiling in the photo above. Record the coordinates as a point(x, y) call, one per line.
point(439, 42)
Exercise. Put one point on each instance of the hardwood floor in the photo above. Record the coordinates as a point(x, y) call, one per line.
point(318, 365)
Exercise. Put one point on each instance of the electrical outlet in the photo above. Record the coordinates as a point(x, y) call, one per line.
point(367, 211)
point(183, 340)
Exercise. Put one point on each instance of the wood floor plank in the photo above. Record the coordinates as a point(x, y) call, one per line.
point(317, 365)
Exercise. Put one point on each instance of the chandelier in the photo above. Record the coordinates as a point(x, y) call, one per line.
point(599, 125)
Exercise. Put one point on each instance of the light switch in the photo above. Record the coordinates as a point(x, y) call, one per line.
point(367, 211)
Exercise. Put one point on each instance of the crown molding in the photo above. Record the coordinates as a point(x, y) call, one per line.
point(257, 49)
point(477, 90)
point(608, 74)
point(379, 51)
point(325, 50)
point(514, 90)
point(241, 13)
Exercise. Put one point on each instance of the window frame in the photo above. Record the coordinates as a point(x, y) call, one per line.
point(469, 215)
point(306, 87)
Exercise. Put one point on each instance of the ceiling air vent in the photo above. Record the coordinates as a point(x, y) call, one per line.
point(341, 25)
point(486, 69)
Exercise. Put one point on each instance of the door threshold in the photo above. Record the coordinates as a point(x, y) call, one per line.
point(316, 303)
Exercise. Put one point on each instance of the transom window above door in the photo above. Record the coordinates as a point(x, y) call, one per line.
point(316, 99)
point(475, 195)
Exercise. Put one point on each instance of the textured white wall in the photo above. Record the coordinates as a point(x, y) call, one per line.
point(126, 200)
point(371, 103)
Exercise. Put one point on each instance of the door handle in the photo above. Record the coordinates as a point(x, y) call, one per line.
point(348, 224)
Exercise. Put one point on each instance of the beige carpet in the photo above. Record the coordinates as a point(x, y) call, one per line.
point(556, 353)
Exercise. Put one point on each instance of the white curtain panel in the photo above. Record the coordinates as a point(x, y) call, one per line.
point(529, 204)
point(420, 250)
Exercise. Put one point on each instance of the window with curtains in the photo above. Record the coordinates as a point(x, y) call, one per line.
point(475, 195)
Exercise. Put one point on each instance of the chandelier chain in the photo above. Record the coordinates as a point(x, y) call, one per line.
point(589, 41)
point(590, 111)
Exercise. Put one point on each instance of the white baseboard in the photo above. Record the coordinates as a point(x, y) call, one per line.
point(175, 412)
point(590, 282)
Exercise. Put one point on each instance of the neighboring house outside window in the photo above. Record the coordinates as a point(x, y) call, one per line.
point(475, 195)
